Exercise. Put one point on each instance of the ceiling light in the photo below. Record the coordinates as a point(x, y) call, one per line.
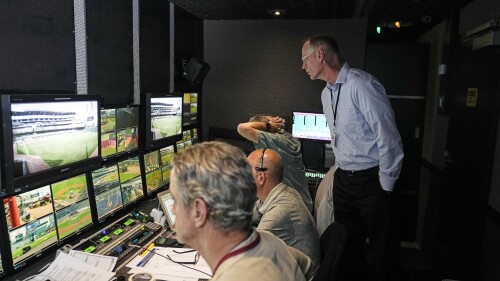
point(277, 12)
point(395, 24)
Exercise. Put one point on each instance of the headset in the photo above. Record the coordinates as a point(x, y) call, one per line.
point(261, 168)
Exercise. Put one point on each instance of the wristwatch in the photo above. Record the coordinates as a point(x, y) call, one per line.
point(268, 126)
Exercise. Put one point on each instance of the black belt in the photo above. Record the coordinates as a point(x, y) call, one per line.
point(369, 171)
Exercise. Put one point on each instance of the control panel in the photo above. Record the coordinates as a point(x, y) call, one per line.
point(122, 239)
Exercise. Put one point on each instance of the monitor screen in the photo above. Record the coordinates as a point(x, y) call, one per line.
point(129, 171)
point(166, 155)
point(106, 183)
point(119, 130)
point(194, 134)
point(152, 168)
point(31, 223)
point(162, 119)
point(71, 202)
point(167, 202)
point(117, 184)
point(190, 109)
point(49, 137)
point(313, 126)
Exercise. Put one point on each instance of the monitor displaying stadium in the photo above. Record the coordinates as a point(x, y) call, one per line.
point(162, 119)
point(30, 222)
point(130, 180)
point(48, 137)
point(106, 184)
point(105, 178)
point(166, 155)
point(119, 130)
point(312, 126)
point(153, 172)
point(108, 201)
point(72, 206)
point(190, 109)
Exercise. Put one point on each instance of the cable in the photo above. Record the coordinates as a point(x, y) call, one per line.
point(170, 259)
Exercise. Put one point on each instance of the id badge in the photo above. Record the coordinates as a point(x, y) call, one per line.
point(334, 139)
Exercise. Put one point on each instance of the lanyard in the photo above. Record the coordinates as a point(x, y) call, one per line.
point(237, 252)
point(336, 104)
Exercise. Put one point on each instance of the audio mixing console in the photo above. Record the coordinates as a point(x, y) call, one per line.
point(120, 238)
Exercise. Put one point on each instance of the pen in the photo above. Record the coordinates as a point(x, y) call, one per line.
point(146, 259)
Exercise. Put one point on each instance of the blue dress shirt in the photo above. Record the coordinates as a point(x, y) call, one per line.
point(365, 130)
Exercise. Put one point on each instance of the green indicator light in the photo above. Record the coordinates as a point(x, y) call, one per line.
point(379, 29)
point(89, 249)
point(104, 239)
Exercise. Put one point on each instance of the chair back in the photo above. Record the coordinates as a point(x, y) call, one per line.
point(332, 248)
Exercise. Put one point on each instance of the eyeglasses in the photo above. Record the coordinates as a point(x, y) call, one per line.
point(185, 260)
point(304, 58)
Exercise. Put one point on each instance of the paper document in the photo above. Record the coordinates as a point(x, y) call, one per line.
point(173, 264)
point(100, 261)
point(65, 267)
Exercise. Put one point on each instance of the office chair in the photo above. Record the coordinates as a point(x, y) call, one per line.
point(332, 247)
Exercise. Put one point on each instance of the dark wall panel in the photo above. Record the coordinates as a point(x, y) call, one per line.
point(154, 46)
point(37, 49)
point(407, 89)
point(188, 43)
point(109, 50)
point(256, 66)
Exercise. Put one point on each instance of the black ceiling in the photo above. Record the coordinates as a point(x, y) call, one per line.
point(416, 16)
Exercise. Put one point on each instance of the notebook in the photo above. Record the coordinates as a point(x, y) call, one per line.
point(166, 202)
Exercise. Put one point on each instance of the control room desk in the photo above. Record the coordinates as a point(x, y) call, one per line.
point(34, 268)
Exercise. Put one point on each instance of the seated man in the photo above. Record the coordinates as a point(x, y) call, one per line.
point(267, 132)
point(214, 195)
point(280, 209)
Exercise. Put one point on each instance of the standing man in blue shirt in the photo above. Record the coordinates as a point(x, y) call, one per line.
point(368, 151)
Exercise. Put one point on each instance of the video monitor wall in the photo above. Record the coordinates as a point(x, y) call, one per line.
point(47, 137)
point(39, 218)
point(119, 130)
point(157, 168)
point(162, 119)
point(117, 185)
point(190, 109)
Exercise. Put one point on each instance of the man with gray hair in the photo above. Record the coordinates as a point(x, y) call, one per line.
point(267, 132)
point(214, 194)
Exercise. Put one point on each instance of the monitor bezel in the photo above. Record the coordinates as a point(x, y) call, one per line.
point(24, 183)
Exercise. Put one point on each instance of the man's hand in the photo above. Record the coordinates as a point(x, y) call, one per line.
point(279, 122)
